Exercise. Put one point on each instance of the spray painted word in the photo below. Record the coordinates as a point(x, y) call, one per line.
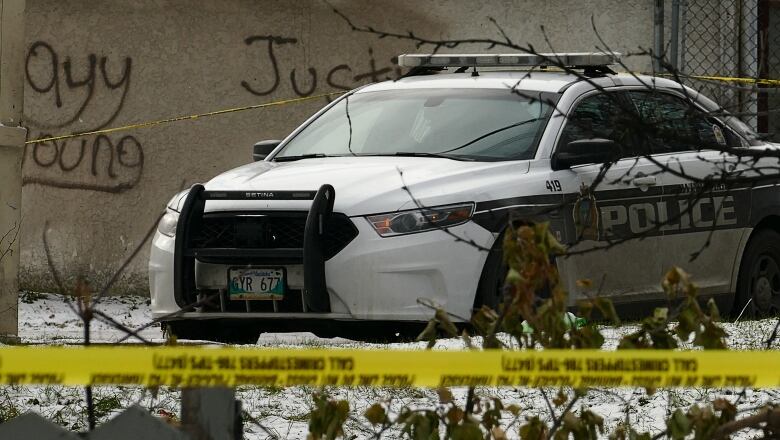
point(47, 73)
point(340, 77)
point(79, 96)
point(101, 164)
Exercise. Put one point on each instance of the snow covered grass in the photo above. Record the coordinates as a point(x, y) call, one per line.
point(47, 319)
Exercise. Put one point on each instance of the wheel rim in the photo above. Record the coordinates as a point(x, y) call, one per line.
point(765, 286)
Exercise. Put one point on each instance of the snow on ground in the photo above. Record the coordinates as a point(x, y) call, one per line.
point(48, 319)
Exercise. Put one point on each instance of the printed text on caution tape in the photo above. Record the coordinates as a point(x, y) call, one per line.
point(205, 366)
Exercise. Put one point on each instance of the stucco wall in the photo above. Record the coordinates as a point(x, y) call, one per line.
point(92, 65)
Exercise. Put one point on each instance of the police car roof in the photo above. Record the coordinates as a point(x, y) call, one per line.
point(541, 81)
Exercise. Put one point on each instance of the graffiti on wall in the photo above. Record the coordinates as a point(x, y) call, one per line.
point(338, 77)
point(100, 163)
point(86, 93)
point(79, 95)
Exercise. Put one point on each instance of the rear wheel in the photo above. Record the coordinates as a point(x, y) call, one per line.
point(758, 285)
point(214, 330)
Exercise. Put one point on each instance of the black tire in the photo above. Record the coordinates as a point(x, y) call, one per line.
point(758, 284)
point(214, 330)
point(490, 290)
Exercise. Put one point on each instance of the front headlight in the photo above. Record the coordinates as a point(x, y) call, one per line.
point(419, 220)
point(167, 225)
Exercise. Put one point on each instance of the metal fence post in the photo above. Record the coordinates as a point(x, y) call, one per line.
point(674, 43)
point(12, 138)
point(658, 35)
point(211, 414)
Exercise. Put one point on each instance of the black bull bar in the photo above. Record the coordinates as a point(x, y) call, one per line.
point(315, 294)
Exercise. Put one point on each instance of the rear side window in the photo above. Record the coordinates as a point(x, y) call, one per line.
point(670, 124)
point(600, 116)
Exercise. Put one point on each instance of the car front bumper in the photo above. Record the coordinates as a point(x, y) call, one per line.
point(372, 278)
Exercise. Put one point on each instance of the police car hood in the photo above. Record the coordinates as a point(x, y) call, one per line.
point(366, 185)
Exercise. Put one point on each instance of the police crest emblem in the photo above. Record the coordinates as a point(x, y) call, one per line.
point(586, 215)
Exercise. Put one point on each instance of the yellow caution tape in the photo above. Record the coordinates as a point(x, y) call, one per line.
point(759, 81)
point(224, 366)
point(183, 118)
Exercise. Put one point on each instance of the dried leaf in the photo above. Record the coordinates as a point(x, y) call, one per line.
point(375, 414)
point(560, 399)
point(727, 409)
point(429, 333)
point(513, 409)
point(445, 323)
point(467, 431)
point(534, 429)
point(327, 418)
point(445, 395)
point(455, 415)
point(498, 433)
point(584, 283)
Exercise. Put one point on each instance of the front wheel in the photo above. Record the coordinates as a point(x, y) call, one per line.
point(758, 285)
point(490, 291)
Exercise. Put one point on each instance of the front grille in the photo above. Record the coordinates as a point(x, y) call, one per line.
point(269, 230)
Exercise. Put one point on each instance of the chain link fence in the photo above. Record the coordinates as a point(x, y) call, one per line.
point(734, 38)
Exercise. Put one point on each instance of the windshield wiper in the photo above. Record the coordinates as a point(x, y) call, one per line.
point(424, 154)
point(302, 156)
point(516, 124)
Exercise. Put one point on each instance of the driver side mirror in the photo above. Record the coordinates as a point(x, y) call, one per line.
point(584, 151)
point(263, 149)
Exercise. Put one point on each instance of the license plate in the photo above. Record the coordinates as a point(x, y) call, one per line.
point(256, 283)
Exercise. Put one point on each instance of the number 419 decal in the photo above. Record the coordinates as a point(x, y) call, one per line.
point(553, 185)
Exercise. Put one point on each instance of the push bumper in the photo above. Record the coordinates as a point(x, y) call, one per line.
point(315, 295)
point(371, 279)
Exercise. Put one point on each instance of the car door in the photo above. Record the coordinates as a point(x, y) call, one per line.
point(610, 215)
point(705, 217)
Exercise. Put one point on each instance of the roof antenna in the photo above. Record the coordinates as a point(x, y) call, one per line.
point(474, 72)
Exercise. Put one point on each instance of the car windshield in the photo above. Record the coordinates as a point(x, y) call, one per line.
point(466, 124)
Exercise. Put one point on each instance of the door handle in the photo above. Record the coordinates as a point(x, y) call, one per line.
point(644, 181)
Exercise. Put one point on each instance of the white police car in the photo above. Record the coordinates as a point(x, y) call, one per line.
point(344, 220)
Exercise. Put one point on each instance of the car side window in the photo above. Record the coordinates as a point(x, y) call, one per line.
point(599, 116)
point(670, 124)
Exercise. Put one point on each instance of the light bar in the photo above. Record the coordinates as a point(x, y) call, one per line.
point(579, 59)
